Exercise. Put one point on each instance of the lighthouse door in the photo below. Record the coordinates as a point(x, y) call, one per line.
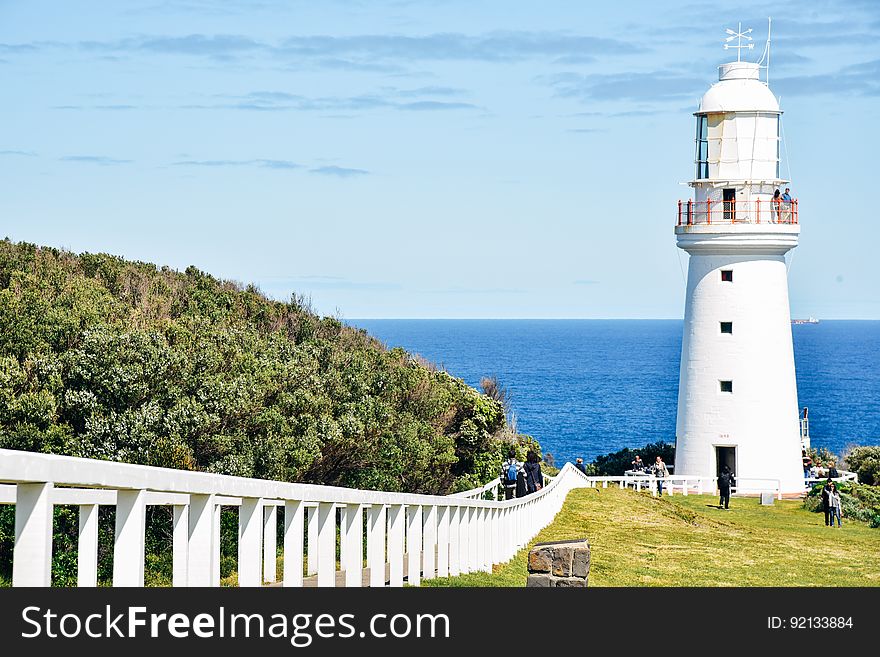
point(729, 198)
point(725, 456)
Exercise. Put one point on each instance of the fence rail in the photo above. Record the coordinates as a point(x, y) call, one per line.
point(737, 212)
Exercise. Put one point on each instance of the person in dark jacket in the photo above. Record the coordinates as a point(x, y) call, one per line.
point(534, 478)
point(521, 489)
point(725, 481)
point(826, 502)
point(579, 464)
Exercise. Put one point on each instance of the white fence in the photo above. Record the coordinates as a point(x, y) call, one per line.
point(843, 476)
point(383, 537)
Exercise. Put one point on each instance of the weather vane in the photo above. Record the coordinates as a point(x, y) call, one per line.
point(739, 35)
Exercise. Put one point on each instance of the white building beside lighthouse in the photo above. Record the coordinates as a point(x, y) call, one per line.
point(737, 400)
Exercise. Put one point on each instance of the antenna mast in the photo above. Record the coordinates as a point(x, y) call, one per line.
point(769, 25)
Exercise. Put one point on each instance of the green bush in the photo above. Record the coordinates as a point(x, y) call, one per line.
point(616, 463)
point(865, 461)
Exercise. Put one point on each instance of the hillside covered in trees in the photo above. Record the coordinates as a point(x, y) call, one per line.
point(109, 359)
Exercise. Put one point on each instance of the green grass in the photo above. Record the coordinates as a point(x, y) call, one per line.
point(638, 540)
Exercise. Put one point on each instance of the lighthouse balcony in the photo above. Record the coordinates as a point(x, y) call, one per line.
point(756, 211)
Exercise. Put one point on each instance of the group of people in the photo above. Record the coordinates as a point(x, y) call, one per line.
point(817, 470)
point(520, 479)
point(782, 206)
point(658, 469)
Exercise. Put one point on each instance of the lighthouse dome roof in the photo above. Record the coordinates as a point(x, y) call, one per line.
point(739, 89)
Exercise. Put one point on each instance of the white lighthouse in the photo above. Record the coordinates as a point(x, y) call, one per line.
point(737, 399)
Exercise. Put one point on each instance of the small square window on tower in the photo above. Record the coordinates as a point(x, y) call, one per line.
point(727, 327)
point(726, 386)
point(727, 275)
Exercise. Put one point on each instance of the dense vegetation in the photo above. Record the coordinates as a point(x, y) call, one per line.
point(865, 461)
point(109, 359)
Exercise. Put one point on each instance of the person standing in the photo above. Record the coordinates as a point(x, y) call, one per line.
point(834, 504)
point(661, 472)
point(579, 464)
point(786, 206)
point(637, 465)
point(511, 471)
point(808, 463)
point(774, 206)
point(534, 477)
point(725, 481)
point(826, 501)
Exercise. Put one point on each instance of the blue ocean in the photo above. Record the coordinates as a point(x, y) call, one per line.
point(588, 387)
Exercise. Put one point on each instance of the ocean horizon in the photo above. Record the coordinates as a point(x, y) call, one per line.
point(585, 387)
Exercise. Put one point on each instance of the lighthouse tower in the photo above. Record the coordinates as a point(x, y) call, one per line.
point(737, 399)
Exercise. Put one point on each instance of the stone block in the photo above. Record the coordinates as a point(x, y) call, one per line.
point(542, 581)
point(540, 560)
point(562, 558)
point(563, 564)
point(580, 564)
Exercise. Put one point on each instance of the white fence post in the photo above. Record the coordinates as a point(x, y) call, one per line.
point(464, 539)
point(414, 544)
point(342, 509)
point(396, 522)
point(87, 546)
point(32, 555)
point(474, 539)
point(200, 555)
point(294, 510)
point(429, 547)
point(179, 545)
point(497, 548)
point(443, 542)
point(250, 529)
point(128, 544)
point(454, 541)
point(215, 555)
point(353, 556)
point(270, 543)
point(376, 544)
point(326, 544)
point(312, 558)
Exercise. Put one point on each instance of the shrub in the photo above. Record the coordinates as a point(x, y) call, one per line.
point(615, 463)
point(865, 461)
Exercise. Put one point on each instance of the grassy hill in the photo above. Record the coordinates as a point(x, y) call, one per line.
point(637, 540)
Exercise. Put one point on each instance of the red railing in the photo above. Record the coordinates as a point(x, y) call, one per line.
point(737, 212)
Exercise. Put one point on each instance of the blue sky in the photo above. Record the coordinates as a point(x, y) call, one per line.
point(425, 158)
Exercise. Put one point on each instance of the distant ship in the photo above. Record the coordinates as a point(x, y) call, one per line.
point(809, 320)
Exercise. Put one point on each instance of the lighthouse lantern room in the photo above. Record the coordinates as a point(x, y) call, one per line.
point(737, 403)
